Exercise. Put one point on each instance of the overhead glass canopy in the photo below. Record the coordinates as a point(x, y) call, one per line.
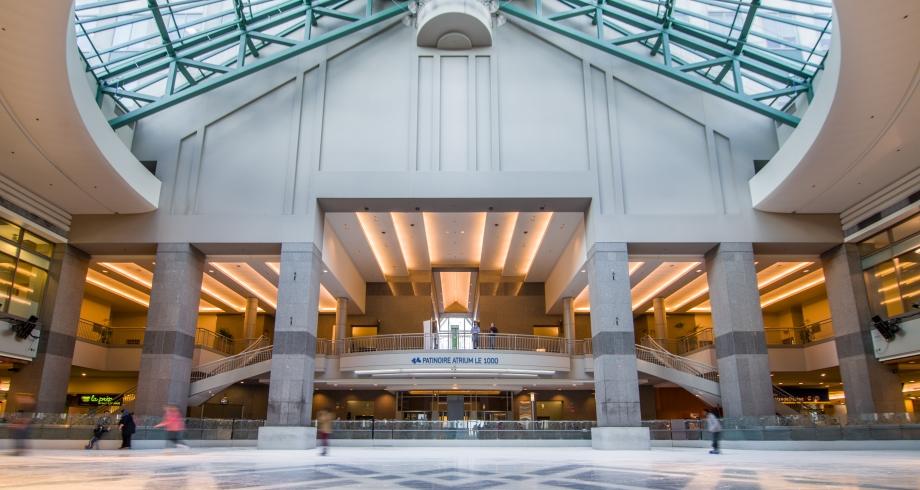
point(151, 54)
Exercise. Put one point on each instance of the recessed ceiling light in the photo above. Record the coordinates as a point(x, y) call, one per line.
point(801, 383)
point(582, 270)
point(806, 270)
point(82, 374)
point(823, 374)
point(211, 271)
point(105, 271)
point(699, 270)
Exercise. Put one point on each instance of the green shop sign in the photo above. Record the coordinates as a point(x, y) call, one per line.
point(98, 400)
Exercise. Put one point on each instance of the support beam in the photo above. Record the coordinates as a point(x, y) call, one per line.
point(741, 348)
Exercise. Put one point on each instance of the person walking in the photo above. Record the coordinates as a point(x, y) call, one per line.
point(492, 331)
point(324, 424)
point(98, 432)
point(127, 427)
point(475, 334)
point(174, 425)
point(715, 429)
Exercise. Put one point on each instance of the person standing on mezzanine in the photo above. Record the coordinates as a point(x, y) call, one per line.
point(475, 334)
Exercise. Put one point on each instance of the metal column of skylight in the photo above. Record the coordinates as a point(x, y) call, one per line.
point(763, 78)
point(225, 44)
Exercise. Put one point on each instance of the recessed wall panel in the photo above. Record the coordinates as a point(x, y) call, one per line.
point(245, 158)
point(454, 128)
point(366, 113)
point(541, 105)
point(665, 157)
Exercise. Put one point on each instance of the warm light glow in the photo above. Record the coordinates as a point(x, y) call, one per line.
point(778, 271)
point(17, 286)
point(412, 258)
point(795, 287)
point(132, 271)
point(213, 288)
point(538, 232)
point(906, 282)
point(250, 280)
point(660, 279)
point(376, 242)
point(327, 302)
point(454, 238)
point(274, 266)
point(582, 302)
point(97, 279)
point(902, 297)
point(504, 235)
point(455, 288)
point(634, 266)
point(693, 290)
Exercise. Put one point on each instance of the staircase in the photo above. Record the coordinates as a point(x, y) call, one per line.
point(700, 379)
point(213, 377)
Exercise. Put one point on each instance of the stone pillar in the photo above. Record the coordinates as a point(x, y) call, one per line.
point(661, 319)
point(616, 379)
point(341, 319)
point(46, 377)
point(869, 386)
point(568, 318)
point(169, 339)
point(290, 393)
point(741, 348)
point(250, 316)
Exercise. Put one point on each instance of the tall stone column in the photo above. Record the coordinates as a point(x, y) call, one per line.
point(568, 318)
point(661, 318)
point(741, 348)
point(250, 317)
point(341, 319)
point(869, 386)
point(47, 376)
point(169, 339)
point(616, 379)
point(290, 393)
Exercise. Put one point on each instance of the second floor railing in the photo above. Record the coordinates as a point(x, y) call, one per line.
point(774, 336)
point(454, 341)
point(134, 337)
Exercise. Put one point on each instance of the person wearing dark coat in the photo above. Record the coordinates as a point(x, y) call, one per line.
point(98, 432)
point(126, 424)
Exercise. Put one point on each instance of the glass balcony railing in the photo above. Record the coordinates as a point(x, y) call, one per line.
point(775, 337)
point(134, 337)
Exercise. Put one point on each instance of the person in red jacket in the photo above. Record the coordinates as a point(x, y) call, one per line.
point(174, 425)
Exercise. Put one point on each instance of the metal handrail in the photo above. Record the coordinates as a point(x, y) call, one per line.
point(455, 341)
point(656, 354)
point(227, 364)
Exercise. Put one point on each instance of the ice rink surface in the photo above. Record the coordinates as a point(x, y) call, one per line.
point(461, 468)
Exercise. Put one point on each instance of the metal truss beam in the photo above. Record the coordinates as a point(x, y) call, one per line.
point(662, 36)
point(194, 52)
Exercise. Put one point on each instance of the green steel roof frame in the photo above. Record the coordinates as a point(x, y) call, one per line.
point(658, 30)
point(652, 24)
point(247, 34)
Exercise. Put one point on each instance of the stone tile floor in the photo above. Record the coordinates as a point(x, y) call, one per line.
point(461, 468)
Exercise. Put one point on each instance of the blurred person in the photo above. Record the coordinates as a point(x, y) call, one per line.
point(174, 424)
point(324, 426)
point(127, 427)
point(492, 331)
point(715, 429)
point(98, 432)
point(21, 423)
point(475, 334)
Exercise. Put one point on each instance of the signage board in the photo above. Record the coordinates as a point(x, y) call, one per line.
point(98, 400)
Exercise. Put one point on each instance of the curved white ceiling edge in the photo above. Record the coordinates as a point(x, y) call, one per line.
point(133, 174)
point(767, 185)
point(849, 144)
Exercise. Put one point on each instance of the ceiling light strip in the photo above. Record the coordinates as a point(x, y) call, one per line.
point(245, 284)
point(373, 240)
point(673, 277)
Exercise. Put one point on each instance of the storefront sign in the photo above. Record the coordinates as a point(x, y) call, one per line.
point(456, 360)
point(98, 400)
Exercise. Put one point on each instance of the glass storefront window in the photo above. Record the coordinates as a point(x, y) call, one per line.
point(38, 245)
point(894, 285)
point(28, 289)
point(905, 229)
point(9, 231)
point(24, 263)
point(874, 243)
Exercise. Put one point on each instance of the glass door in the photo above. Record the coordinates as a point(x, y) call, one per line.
point(454, 332)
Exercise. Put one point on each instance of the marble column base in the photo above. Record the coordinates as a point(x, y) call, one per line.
point(620, 438)
point(287, 438)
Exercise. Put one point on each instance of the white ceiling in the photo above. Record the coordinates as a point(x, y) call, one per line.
point(518, 245)
point(867, 139)
point(54, 141)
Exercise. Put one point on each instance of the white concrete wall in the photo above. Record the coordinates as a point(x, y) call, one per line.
point(533, 116)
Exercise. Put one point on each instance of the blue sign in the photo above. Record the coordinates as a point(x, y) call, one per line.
point(455, 360)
